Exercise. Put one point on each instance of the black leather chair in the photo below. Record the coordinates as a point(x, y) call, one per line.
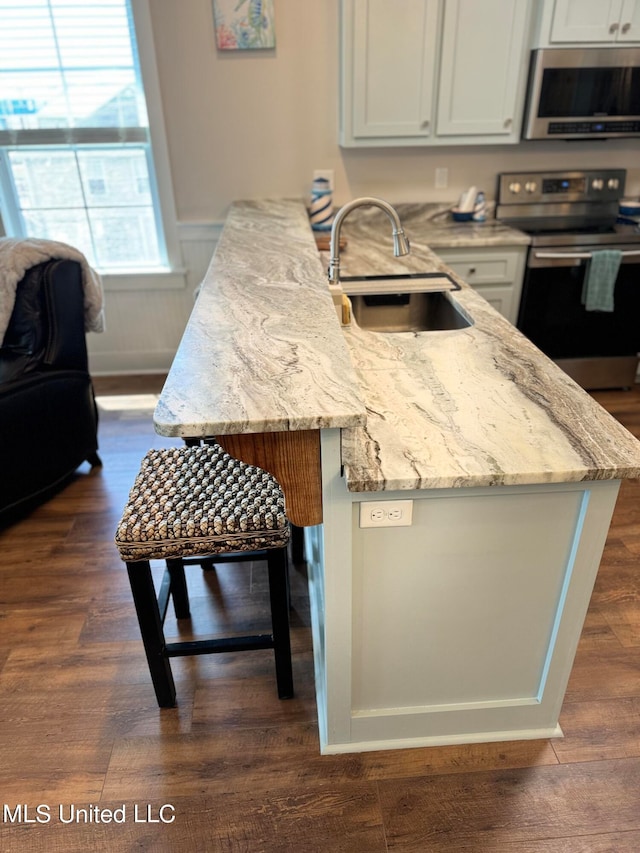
point(48, 415)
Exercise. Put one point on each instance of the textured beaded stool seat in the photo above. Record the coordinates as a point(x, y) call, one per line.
point(199, 501)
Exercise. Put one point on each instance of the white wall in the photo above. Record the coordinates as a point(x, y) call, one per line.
point(256, 123)
point(250, 124)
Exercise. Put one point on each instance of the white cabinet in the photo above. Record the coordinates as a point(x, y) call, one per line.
point(480, 79)
point(592, 21)
point(432, 72)
point(629, 29)
point(393, 67)
point(496, 273)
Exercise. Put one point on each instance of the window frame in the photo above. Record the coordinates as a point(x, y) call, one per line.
point(173, 275)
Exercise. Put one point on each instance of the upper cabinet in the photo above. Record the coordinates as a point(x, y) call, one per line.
point(604, 22)
point(390, 51)
point(433, 72)
point(481, 72)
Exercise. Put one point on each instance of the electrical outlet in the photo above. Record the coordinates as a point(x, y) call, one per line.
point(324, 173)
point(442, 179)
point(386, 513)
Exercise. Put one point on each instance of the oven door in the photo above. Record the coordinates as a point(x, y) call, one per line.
point(589, 345)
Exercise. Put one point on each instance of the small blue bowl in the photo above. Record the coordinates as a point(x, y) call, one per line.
point(462, 215)
point(629, 208)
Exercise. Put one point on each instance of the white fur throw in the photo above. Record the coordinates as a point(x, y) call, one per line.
point(18, 256)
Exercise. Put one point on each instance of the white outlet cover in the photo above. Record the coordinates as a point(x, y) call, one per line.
point(442, 178)
point(386, 513)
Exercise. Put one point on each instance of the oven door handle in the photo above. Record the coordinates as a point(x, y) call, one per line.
point(578, 255)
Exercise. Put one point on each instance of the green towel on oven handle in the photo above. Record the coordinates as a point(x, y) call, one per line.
point(600, 280)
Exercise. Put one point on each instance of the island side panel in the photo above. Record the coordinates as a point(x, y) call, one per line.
point(328, 555)
point(427, 642)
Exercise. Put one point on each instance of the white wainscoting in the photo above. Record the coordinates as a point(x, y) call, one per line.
point(144, 324)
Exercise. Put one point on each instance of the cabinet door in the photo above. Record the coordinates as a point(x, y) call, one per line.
point(483, 46)
point(495, 273)
point(393, 62)
point(500, 298)
point(585, 20)
point(630, 21)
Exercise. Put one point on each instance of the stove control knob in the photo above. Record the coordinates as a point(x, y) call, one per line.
point(597, 184)
point(613, 183)
point(514, 187)
point(531, 186)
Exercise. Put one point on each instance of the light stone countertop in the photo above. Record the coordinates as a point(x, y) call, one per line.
point(263, 351)
point(479, 406)
point(427, 225)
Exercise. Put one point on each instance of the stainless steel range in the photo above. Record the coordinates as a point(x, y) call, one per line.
point(570, 216)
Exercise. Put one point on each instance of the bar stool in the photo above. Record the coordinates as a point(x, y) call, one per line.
point(198, 501)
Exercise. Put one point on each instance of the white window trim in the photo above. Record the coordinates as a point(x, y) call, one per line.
point(176, 275)
point(152, 280)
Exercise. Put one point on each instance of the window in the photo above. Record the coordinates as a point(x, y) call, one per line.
point(76, 161)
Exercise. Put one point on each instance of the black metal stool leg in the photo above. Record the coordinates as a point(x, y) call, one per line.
point(297, 544)
point(179, 592)
point(150, 621)
point(278, 592)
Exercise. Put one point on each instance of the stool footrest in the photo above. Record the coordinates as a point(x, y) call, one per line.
point(221, 644)
point(239, 557)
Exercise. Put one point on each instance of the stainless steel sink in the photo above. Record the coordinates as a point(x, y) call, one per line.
point(432, 311)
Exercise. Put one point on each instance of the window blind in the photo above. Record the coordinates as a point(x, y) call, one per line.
point(70, 72)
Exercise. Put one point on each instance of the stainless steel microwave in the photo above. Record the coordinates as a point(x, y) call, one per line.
point(583, 93)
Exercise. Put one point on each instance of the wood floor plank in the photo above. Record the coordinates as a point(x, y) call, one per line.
point(54, 766)
point(287, 756)
point(472, 811)
point(610, 842)
point(344, 820)
point(49, 623)
point(252, 701)
point(598, 730)
point(106, 715)
point(601, 673)
point(624, 619)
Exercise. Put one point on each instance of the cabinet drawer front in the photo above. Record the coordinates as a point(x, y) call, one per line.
point(494, 268)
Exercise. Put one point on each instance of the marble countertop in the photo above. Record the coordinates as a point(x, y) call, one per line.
point(263, 350)
point(369, 243)
point(479, 406)
point(428, 225)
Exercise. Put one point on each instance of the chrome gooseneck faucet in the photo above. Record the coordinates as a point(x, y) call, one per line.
point(400, 241)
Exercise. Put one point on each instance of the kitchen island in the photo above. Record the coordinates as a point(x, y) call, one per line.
point(461, 625)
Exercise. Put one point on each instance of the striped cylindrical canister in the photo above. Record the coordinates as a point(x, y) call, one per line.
point(480, 208)
point(321, 210)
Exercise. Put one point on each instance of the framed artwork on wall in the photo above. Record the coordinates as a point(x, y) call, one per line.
point(244, 24)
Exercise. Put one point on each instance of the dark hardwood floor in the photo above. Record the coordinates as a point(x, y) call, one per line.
point(235, 768)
